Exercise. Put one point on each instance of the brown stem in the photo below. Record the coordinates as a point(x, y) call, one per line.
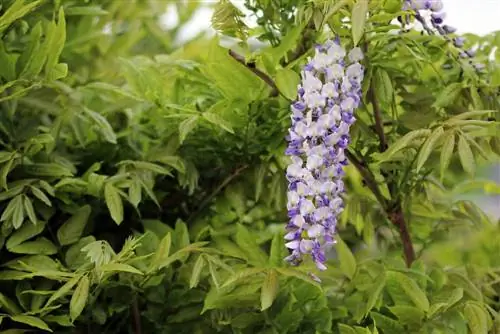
point(251, 66)
point(368, 177)
point(136, 316)
point(379, 124)
point(396, 216)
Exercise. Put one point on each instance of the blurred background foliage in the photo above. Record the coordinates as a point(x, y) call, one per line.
point(142, 173)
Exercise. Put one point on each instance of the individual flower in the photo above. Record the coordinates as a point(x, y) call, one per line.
point(328, 96)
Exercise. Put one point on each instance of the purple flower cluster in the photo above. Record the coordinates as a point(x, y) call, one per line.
point(329, 93)
point(437, 17)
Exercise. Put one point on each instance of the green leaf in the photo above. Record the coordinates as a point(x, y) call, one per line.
point(103, 125)
point(466, 156)
point(249, 246)
point(86, 10)
point(63, 290)
point(79, 298)
point(407, 314)
point(468, 287)
point(4, 172)
point(358, 19)
point(26, 232)
point(242, 274)
point(122, 267)
point(9, 305)
point(162, 252)
point(218, 121)
point(447, 151)
point(278, 250)
point(477, 318)
point(410, 287)
point(195, 275)
point(404, 142)
point(135, 193)
point(347, 260)
point(57, 42)
point(287, 81)
point(448, 95)
point(186, 127)
point(269, 289)
point(388, 325)
point(71, 231)
point(42, 246)
point(28, 208)
point(40, 195)
point(428, 147)
point(31, 321)
point(289, 272)
point(17, 211)
point(383, 86)
point(114, 203)
point(47, 169)
point(375, 293)
point(345, 329)
point(14, 12)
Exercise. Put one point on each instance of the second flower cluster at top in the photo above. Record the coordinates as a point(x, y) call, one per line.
point(329, 94)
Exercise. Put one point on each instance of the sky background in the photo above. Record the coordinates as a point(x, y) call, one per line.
point(477, 16)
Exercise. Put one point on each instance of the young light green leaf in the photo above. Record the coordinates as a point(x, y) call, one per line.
point(135, 193)
point(403, 142)
point(79, 298)
point(347, 260)
point(477, 318)
point(407, 314)
point(466, 156)
point(63, 290)
point(57, 42)
point(375, 292)
point(428, 147)
point(242, 274)
point(269, 289)
point(71, 231)
point(186, 127)
point(218, 121)
point(114, 202)
point(447, 151)
point(120, 267)
point(162, 252)
point(103, 125)
point(14, 12)
point(287, 81)
point(195, 275)
point(31, 321)
point(358, 20)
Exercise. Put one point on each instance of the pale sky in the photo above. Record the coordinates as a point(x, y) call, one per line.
point(468, 16)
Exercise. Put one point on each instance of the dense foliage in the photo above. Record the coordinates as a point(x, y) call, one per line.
point(143, 183)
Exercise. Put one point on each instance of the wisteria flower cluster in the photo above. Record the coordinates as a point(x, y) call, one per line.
point(437, 18)
point(329, 94)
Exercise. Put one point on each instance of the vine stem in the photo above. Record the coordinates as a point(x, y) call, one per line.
point(136, 316)
point(394, 210)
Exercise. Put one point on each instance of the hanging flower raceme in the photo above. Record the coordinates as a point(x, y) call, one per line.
point(329, 94)
point(437, 18)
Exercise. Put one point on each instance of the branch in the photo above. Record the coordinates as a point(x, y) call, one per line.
point(251, 66)
point(136, 316)
point(217, 190)
point(379, 125)
point(368, 177)
point(398, 219)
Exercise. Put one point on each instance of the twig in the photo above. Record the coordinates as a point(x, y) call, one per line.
point(136, 316)
point(379, 125)
point(368, 177)
point(217, 190)
point(251, 66)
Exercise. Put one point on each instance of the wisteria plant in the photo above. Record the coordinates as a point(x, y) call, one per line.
point(315, 167)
